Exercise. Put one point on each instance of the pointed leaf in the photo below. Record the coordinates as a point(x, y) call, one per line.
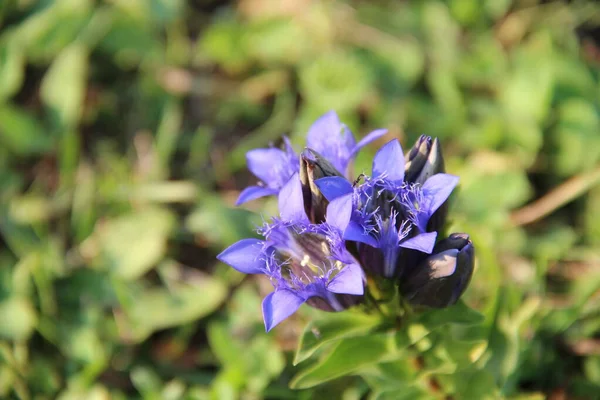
point(347, 357)
point(334, 327)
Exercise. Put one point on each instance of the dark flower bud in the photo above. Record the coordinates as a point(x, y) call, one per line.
point(312, 167)
point(441, 279)
point(423, 160)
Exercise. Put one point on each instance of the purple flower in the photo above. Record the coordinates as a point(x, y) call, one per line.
point(305, 262)
point(274, 167)
point(388, 221)
point(389, 213)
point(334, 141)
point(327, 136)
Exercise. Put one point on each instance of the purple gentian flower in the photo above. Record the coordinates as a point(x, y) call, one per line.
point(327, 136)
point(382, 198)
point(274, 167)
point(334, 141)
point(305, 262)
point(418, 201)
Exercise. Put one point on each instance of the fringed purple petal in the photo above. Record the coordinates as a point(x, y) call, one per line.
point(350, 280)
point(244, 256)
point(279, 305)
point(355, 232)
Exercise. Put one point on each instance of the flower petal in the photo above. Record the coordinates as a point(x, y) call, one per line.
point(333, 187)
point(272, 166)
point(437, 189)
point(244, 256)
point(291, 201)
point(356, 233)
point(389, 162)
point(324, 132)
point(376, 134)
point(254, 192)
point(339, 212)
point(279, 305)
point(332, 140)
point(423, 242)
point(350, 280)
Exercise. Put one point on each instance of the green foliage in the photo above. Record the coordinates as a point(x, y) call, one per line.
point(123, 131)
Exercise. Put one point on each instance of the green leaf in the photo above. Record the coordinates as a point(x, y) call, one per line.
point(333, 328)
point(346, 358)
point(63, 87)
point(338, 81)
point(155, 309)
point(459, 314)
point(592, 217)
point(276, 41)
point(507, 320)
point(219, 224)
point(12, 69)
point(576, 137)
point(131, 38)
point(476, 384)
point(223, 43)
point(19, 316)
point(553, 244)
point(400, 374)
point(21, 132)
point(84, 345)
point(46, 32)
point(132, 244)
point(406, 393)
point(488, 194)
point(527, 93)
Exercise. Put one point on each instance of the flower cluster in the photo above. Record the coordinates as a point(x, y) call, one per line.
point(334, 231)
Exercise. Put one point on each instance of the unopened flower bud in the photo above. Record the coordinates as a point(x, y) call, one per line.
point(441, 279)
point(312, 167)
point(423, 160)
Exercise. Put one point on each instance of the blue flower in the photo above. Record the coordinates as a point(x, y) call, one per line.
point(388, 221)
point(305, 262)
point(274, 167)
point(389, 213)
point(327, 136)
point(334, 141)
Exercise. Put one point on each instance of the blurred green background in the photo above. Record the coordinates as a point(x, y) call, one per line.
point(123, 130)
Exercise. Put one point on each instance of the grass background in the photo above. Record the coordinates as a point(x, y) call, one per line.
point(123, 130)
